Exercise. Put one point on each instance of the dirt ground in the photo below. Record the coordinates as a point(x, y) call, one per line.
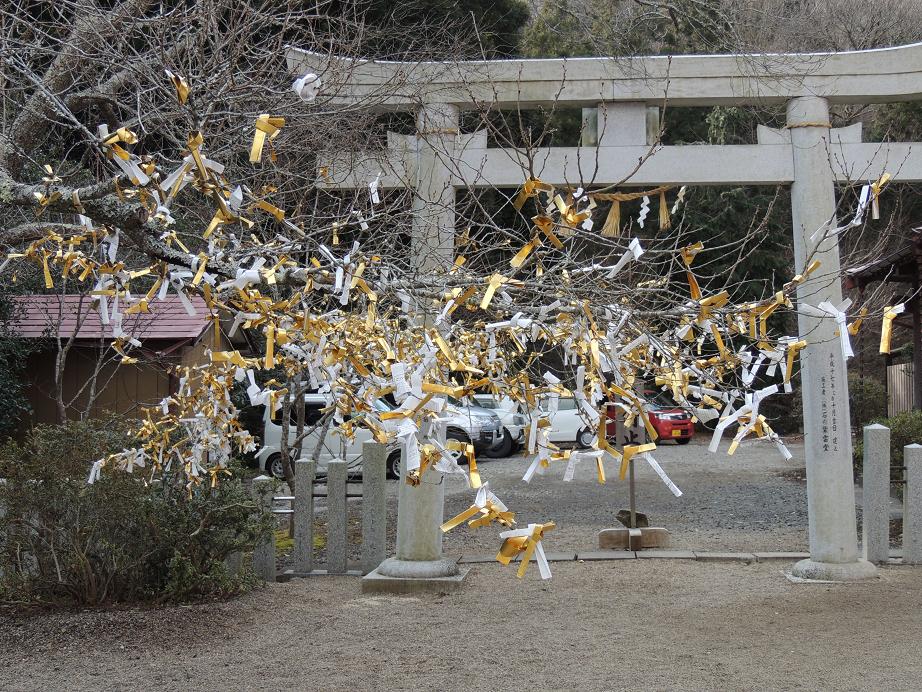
point(628, 624)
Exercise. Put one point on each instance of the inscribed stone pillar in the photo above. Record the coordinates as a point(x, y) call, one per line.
point(824, 385)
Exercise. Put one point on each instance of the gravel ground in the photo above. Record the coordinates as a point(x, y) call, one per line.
point(751, 501)
point(629, 624)
point(747, 501)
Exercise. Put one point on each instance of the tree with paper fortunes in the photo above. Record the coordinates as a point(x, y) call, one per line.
point(154, 150)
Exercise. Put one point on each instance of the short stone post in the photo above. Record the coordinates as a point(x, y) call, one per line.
point(419, 564)
point(912, 505)
point(337, 526)
point(875, 522)
point(303, 512)
point(374, 506)
point(264, 550)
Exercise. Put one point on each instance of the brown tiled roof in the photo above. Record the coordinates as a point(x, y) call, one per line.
point(39, 315)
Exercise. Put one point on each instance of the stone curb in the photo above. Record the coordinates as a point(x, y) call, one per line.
point(602, 555)
point(703, 556)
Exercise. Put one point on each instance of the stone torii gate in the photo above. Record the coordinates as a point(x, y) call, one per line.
point(807, 154)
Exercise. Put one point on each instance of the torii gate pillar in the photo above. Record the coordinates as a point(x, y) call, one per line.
point(824, 383)
point(433, 240)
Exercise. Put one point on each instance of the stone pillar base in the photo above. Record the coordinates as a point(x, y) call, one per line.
point(860, 570)
point(414, 576)
point(418, 569)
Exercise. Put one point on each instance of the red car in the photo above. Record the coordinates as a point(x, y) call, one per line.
point(672, 424)
point(669, 421)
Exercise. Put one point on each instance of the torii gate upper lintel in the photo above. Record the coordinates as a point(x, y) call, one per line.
point(622, 90)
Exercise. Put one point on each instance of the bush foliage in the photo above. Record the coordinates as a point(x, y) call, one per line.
point(905, 429)
point(121, 539)
point(867, 400)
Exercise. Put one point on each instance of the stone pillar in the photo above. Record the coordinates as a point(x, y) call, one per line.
point(824, 385)
point(433, 239)
point(264, 551)
point(912, 505)
point(618, 124)
point(589, 134)
point(420, 512)
point(303, 506)
point(875, 515)
point(337, 525)
point(374, 505)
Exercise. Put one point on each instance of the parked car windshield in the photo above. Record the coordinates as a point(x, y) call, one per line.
point(382, 406)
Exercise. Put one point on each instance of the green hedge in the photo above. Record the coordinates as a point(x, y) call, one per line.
point(905, 429)
point(120, 539)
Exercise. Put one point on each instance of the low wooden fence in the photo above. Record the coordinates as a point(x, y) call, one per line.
point(899, 388)
point(337, 489)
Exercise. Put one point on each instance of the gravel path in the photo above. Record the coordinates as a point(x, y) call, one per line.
point(751, 501)
point(747, 501)
point(634, 624)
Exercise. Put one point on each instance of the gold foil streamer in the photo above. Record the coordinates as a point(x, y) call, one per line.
point(267, 127)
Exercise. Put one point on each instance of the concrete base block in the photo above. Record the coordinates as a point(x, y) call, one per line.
point(859, 570)
point(633, 539)
point(375, 582)
point(780, 556)
point(725, 557)
point(289, 574)
point(672, 554)
point(607, 555)
point(476, 559)
point(551, 557)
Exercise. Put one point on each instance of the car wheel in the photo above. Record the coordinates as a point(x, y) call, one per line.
point(503, 449)
point(683, 440)
point(275, 468)
point(459, 456)
point(393, 464)
point(585, 437)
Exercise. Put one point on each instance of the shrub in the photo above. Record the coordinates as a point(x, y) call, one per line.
point(905, 429)
point(784, 412)
point(120, 539)
point(867, 400)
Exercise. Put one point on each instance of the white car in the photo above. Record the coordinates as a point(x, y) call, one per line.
point(568, 426)
point(269, 456)
point(483, 429)
point(514, 424)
